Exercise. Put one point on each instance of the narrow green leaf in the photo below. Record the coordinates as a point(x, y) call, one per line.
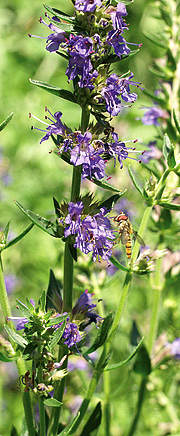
point(57, 207)
point(42, 301)
point(29, 348)
point(69, 427)
point(112, 58)
point(166, 146)
point(15, 337)
point(93, 422)
point(105, 185)
point(168, 151)
point(101, 335)
point(170, 206)
point(143, 364)
point(154, 40)
point(134, 181)
point(109, 203)
point(171, 159)
point(52, 402)
point(40, 221)
point(176, 121)
point(19, 237)
point(118, 365)
point(6, 121)
point(57, 320)
point(126, 2)
point(24, 310)
point(118, 265)
point(6, 230)
point(65, 27)
point(55, 338)
point(59, 14)
point(53, 297)
point(59, 92)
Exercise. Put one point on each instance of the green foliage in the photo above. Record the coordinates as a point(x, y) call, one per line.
point(101, 335)
point(93, 422)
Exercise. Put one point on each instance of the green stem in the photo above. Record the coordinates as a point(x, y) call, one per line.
point(106, 374)
point(161, 183)
point(58, 394)
point(4, 300)
point(68, 279)
point(141, 231)
point(42, 421)
point(137, 411)
point(120, 309)
point(68, 282)
point(157, 287)
point(28, 413)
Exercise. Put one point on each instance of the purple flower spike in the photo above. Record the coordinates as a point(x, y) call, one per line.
point(87, 5)
point(151, 116)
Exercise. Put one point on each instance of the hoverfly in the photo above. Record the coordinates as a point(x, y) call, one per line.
point(125, 230)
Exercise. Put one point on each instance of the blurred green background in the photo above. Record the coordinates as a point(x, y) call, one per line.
point(32, 176)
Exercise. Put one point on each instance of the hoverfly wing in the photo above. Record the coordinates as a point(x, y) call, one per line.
point(124, 237)
point(139, 239)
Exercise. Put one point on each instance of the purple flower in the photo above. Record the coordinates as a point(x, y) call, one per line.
point(116, 17)
point(151, 116)
point(87, 5)
point(87, 81)
point(110, 93)
point(118, 43)
point(55, 128)
point(84, 154)
point(73, 219)
point(84, 307)
point(55, 39)
point(80, 50)
point(71, 334)
point(93, 233)
point(118, 87)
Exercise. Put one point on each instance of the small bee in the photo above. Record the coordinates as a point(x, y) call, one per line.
point(125, 230)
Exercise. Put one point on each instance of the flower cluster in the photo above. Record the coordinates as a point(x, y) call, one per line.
point(82, 314)
point(86, 149)
point(92, 233)
point(100, 37)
